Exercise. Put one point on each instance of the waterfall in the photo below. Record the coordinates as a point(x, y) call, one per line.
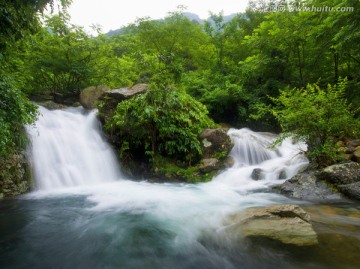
point(257, 165)
point(68, 150)
point(251, 148)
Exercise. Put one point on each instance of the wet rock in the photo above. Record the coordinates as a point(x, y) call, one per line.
point(351, 190)
point(282, 174)
point(341, 174)
point(257, 174)
point(89, 96)
point(307, 186)
point(288, 224)
point(215, 143)
point(51, 105)
point(229, 161)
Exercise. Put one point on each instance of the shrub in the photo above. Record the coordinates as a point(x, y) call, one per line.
point(317, 116)
point(163, 122)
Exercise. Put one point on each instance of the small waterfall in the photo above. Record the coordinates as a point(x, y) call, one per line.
point(256, 166)
point(250, 147)
point(68, 150)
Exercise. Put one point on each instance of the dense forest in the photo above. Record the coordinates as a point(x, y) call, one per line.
point(287, 70)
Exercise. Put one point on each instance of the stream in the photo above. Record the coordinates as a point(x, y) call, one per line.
point(83, 212)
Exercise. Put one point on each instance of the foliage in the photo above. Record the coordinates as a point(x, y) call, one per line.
point(60, 57)
point(17, 20)
point(163, 122)
point(317, 116)
point(15, 110)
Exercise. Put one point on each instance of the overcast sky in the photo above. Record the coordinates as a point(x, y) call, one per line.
point(112, 14)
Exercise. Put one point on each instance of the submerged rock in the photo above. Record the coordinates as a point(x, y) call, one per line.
point(288, 224)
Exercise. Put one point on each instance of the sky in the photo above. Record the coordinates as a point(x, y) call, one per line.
point(113, 14)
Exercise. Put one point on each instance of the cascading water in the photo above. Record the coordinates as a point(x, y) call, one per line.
point(68, 150)
point(128, 224)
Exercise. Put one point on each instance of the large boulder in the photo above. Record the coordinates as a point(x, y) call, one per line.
point(341, 174)
point(215, 143)
point(89, 96)
point(109, 100)
point(307, 186)
point(288, 224)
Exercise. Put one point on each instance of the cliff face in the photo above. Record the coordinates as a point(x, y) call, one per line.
point(15, 175)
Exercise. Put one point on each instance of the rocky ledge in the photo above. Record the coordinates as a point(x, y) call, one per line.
point(287, 224)
point(335, 182)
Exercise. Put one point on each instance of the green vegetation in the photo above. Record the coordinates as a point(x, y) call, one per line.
point(318, 117)
point(239, 69)
point(163, 122)
point(18, 19)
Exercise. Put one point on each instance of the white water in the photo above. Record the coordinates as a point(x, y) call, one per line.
point(68, 150)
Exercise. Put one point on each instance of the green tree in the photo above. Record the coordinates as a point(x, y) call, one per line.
point(60, 58)
point(318, 117)
point(17, 20)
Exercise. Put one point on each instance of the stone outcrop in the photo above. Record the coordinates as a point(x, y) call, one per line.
point(89, 96)
point(288, 224)
point(215, 143)
point(109, 100)
point(307, 186)
point(341, 174)
point(15, 175)
point(334, 182)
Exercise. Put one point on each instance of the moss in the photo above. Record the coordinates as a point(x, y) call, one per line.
point(177, 171)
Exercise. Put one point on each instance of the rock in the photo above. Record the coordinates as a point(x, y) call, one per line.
point(229, 161)
point(209, 165)
point(125, 93)
point(354, 143)
point(215, 143)
point(282, 174)
point(341, 174)
point(109, 100)
point(351, 190)
point(308, 187)
point(257, 174)
point(15, 175)
point(288, 224)
point(356, 156)
point(89, 96)
point(51, 105)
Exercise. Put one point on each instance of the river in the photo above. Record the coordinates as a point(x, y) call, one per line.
point(83, 213)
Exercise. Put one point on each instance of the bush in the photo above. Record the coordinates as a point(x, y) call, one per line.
point(15, 110)
point(163, 122)
point(317, 116)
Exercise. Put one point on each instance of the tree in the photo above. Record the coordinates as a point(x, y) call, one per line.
point(18, 18)
point(318, 117)
point(60, 58)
